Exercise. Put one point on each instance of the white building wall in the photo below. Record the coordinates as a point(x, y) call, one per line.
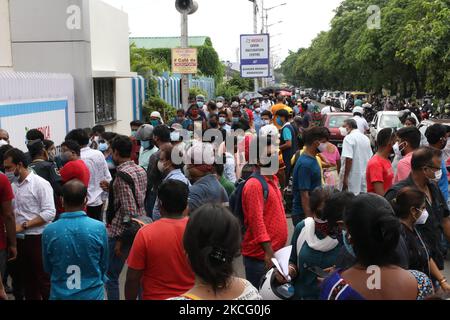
point(5, 36)
point(110, 50)
point(124, 102)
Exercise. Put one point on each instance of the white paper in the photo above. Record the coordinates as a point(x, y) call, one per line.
point(281, 261)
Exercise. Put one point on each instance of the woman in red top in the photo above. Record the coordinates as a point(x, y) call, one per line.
point(379, 173)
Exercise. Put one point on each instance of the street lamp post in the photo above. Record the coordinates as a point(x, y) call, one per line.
point(255, 31)
point(185, 7)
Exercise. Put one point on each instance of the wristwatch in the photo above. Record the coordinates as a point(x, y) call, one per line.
point(25, 225)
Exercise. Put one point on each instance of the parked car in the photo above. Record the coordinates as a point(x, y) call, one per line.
point(385, 119)
point(333, 121)
point(324, 97)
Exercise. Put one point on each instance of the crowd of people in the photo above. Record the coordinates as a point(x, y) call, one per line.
point(178, 200)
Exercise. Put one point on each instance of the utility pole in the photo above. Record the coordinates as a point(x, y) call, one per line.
point(184, 77)
point(255, 30)
point(185, 8)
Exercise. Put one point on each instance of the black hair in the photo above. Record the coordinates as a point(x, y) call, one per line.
point(335, 207)
point(423, 157)
point(36, 148)
point(48, 144)
point(374, 229)
point(267, 113)
point(216, 116)
point(406, 198)
point(220, 168)
point(34, 134)
point(173, 195)
point(3, 150)
point(212, 105)
point(136, 123)
point(123, 145)
point(74, 193)
point(351, 123)
point(280, 99)
point(243, 124)
point(78, 135)
point(17, 157)
point(385, 137)
point(319, 196)
point(109, 136)
point(162, 132)
point(73, 146)
point(223, 112)
point(98, 129)
point(167, 151)
point(283, 114)
point(212, 240)
point(435, 133)
point(411, 135)
point(412, 120)
point(314, 134)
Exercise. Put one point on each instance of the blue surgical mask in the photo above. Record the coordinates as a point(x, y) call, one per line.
point(133, 133)
point(222, 120)
point(146, 144)
point(347, 245)
point(235, 119)
point(154, 123)
point(279, 122)
point(200, 104)
point(102, 147)
point(11, 177)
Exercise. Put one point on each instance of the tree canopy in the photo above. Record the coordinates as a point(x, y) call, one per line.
point(409, 54)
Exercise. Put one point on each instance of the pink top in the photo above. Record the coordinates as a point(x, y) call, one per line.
point(331, 157)
point(403, 168)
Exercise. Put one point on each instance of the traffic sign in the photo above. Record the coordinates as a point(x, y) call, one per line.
point(255, 56)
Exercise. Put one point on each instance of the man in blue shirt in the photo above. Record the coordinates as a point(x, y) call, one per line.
point(307, 174)
point(75, 249)
point(288, 140)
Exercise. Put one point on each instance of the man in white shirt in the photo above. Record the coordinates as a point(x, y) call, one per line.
point(98, 169)
point(266, 104)
point(356, 153)
point(362, 124)
point(328, 108)
point(34, 208)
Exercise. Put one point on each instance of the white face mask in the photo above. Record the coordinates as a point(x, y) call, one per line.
point(322, 147)
point(343, 131)
point(266, 122)
point(258, 110)
point(423, 218)
point(219, 105)
point(438, 175)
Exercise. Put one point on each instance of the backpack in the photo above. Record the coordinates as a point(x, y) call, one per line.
point(132, 223)
point(236, 197)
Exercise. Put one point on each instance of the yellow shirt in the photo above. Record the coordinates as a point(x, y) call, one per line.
point(319, 161)
point(274, 111)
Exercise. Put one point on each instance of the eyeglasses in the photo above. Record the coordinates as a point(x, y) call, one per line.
point(432, 167)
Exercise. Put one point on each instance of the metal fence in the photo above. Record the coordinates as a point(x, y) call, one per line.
point(169, 88)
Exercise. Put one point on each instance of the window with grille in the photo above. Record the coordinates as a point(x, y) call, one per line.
point(104, 98)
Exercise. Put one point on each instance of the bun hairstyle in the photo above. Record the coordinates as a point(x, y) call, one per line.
point(212, 240)
point(335, 206)
point(407, 197)
point(374, 229)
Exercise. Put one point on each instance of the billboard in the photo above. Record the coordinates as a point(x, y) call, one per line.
point(49, 117)
point(255, 56)
point(184, 61)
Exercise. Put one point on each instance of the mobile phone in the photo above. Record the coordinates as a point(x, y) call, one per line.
point(317, 271)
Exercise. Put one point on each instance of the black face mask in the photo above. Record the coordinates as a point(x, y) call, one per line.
point(213, 124)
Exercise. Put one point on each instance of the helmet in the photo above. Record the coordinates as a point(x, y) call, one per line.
point(270, 289)
point(145, 132)
point(358, 110)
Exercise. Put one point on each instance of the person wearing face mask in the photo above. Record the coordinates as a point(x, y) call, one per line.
point(266, 103)
point(410, 208)
point(372, 233)
point(356, 153)
point(198, 121)
point(135, 125)
point(307, 175)
point(181, 119)
point(437, 139)
point(379, 174)
point(314, 242)
point(220, 102)
point(279, 106)
point(426, 169)
point(74, 167)
point(257, 120)
point(145, 136)
point(4, 137)
point(156, 119)
point(288, 141)
point(408, 142)
point(170, 171)
point(213, 123)
point(49, 146)
point(34, 208)
point(223, 121)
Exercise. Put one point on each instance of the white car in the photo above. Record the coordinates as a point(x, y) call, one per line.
point(385, 119)
point(326, 96)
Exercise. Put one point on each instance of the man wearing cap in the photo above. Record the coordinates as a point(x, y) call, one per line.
point(156, 119)
point(266, 104)
point(220, 103)
point(279, 106)
point(200, 159)
point(148, 148)
point(363, 126)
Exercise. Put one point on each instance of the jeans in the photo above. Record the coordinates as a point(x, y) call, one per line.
point(114, 269)
point(3, 259)
point(254, 271)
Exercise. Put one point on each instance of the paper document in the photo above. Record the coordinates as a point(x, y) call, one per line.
point(281, 261)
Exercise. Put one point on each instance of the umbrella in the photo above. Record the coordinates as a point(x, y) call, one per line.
point(286, 93)
point(250, 95)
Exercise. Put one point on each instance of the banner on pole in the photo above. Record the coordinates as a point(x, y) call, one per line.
point(255, 56)
point(184, 61)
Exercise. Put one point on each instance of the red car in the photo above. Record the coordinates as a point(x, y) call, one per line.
point(333, 121)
